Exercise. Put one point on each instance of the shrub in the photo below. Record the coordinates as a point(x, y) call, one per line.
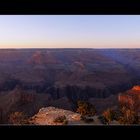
point(109, 115)
point(103, 119)
point(61, 119)
point(87, 119)
point(18, 118)
point(128, 116)
point(85, 108)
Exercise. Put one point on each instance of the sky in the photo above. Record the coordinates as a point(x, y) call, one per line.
point(69, 31)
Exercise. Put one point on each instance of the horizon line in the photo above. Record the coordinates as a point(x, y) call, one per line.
point(72, 48)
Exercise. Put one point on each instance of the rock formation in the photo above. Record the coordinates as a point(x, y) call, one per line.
point(131, 98)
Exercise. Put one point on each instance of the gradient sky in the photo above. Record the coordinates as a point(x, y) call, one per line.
point(65, 31)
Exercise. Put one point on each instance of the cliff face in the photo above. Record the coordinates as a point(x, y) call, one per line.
point(136, 88)
point(131, 98)
point(81, 70)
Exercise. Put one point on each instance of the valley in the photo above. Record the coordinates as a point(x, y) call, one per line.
point(34, 78)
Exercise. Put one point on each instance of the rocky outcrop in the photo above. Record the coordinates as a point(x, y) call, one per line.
point(136, 88)
point(40, 57)
point(47, 116)
point(131, 98)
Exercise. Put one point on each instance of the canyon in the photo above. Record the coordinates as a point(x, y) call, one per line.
point(34, 78)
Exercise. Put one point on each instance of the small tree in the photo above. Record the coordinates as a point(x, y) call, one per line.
point(103, 119)
point(109, 115)
point(18, 118)
point(128, 116)
point(87, 119)
point(85, 108)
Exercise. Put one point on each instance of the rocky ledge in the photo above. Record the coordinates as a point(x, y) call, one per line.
point(48, 115)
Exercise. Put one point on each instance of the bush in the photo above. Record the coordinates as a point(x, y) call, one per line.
point(109, 115)
point(85, 108)
point(128, 116)
point(103, 119)
point(61, 119)
point(87, 119)
point(18, 118)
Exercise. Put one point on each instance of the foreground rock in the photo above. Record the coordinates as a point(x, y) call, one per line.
point(131, 98)
point(47, 116)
